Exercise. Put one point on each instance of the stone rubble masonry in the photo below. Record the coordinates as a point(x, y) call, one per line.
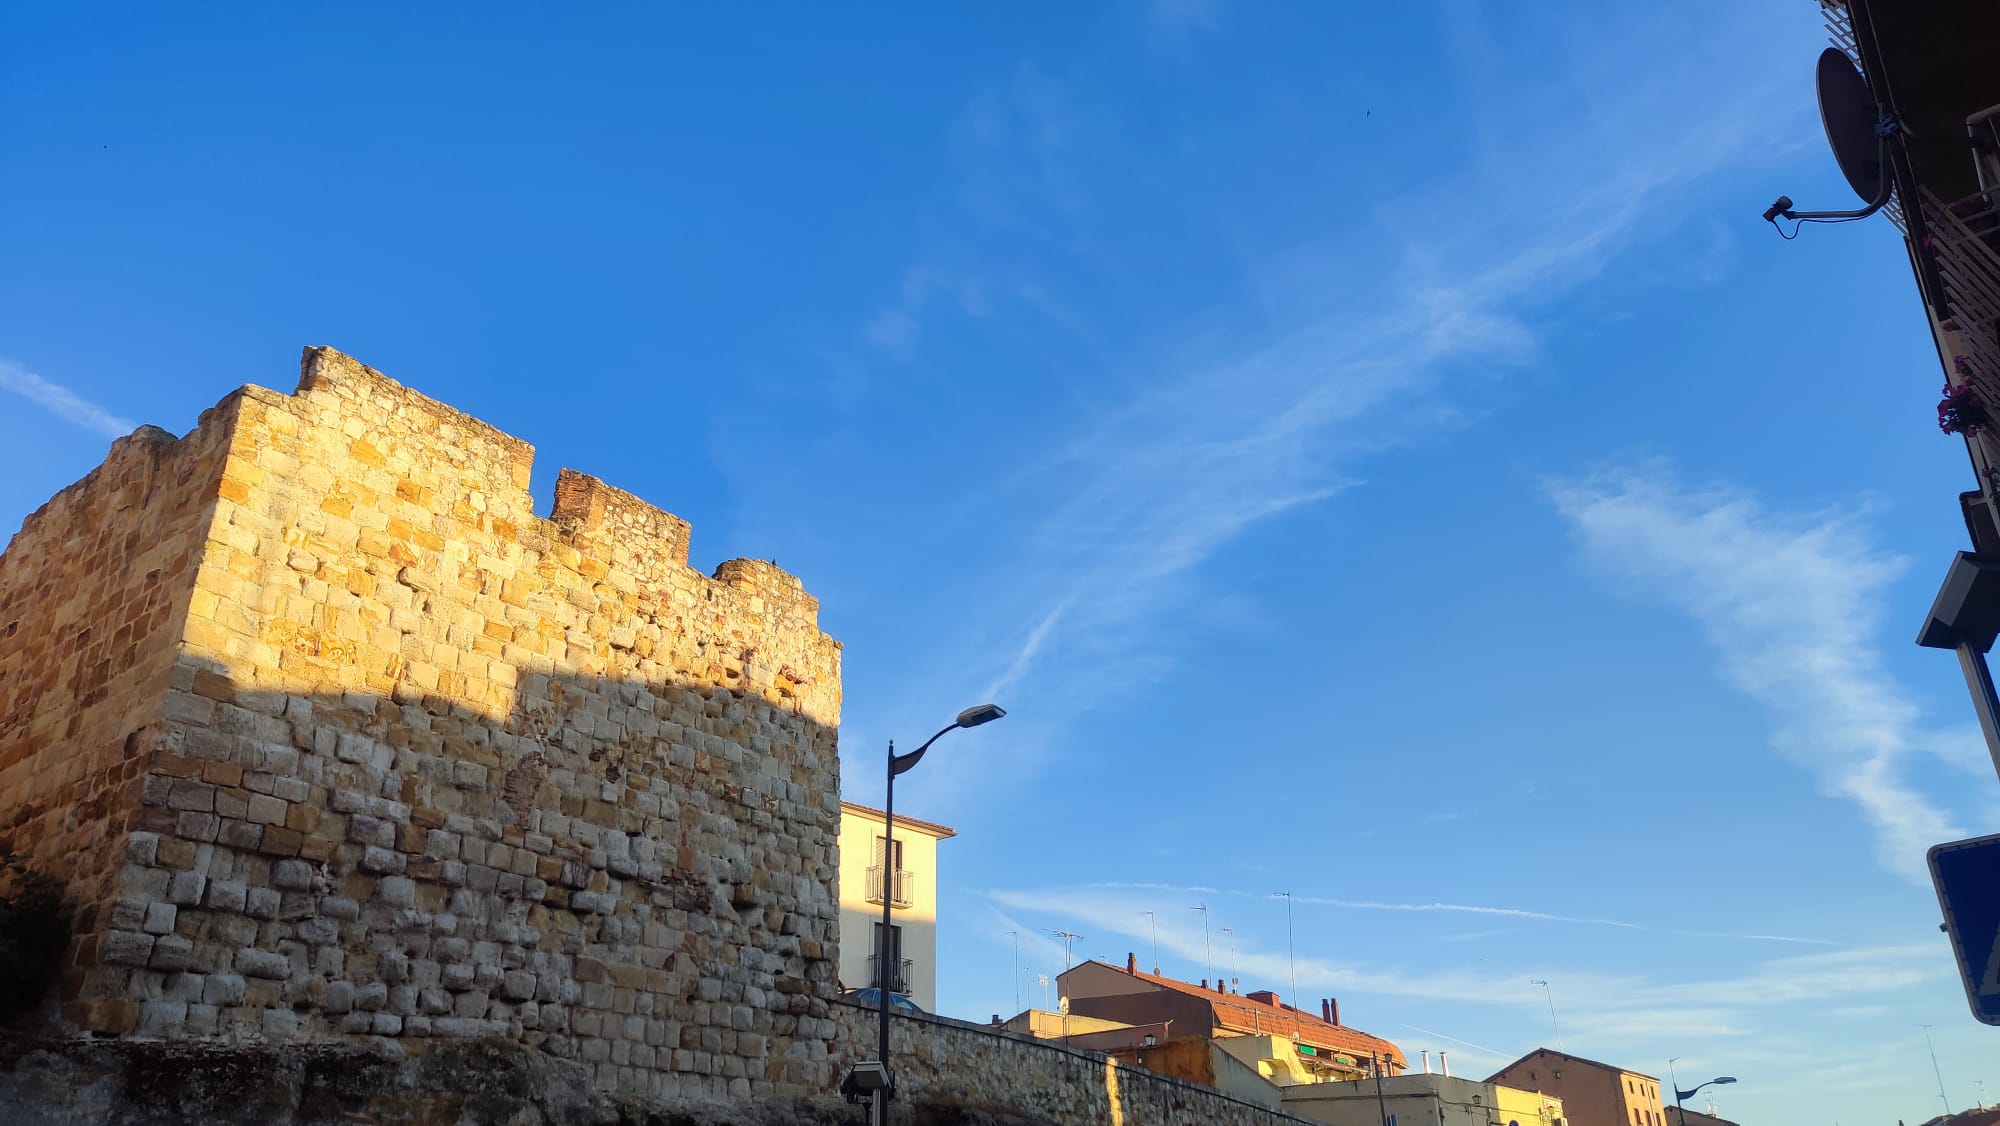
point(943, 1062)
point(333, 738)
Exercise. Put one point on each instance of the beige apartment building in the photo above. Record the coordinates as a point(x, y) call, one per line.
point(905, 871)
point(1421, 1098)
point(1592, 1093)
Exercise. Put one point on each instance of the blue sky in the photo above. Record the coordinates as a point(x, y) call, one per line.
point(1375, 454)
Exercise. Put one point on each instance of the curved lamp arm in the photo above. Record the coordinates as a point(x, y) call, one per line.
point(970, 717)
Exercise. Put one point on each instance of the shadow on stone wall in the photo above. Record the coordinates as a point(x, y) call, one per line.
point(479, 1083)
point(371, 899)
point(637, 876)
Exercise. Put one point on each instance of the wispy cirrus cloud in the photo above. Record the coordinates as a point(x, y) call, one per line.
point(63, 402)
point(1791, 603)
point(1606, 1008)
point(1521, 913)
point(1260, 418)
point(1364, 330)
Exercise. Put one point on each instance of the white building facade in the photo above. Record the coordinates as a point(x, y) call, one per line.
point(904, 871)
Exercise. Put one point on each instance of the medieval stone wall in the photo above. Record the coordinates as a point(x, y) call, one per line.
point(341, 748)
point(425, 764)
point(93, 589)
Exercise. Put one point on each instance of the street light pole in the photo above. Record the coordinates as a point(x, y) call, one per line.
point(1382, 1104)
point(881, 1079)
point(1688, 1094)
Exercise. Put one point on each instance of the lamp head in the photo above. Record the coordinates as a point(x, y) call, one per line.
point(983, 713)
point(1723, 1079)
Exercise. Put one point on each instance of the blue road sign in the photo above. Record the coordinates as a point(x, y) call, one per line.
point(1967, 875)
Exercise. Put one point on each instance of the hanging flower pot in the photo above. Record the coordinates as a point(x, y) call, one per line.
point(1961, 412)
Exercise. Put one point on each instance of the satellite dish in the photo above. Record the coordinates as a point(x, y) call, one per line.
point(1860, 138)
point(1062, 1005)
point(1847, 110)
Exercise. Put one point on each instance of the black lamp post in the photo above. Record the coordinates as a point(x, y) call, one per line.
point(1680, 1094)
point(879, 1081)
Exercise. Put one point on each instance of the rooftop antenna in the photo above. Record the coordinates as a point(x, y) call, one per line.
point(1934, 1068)
point(1858, 128)
point(1208, 956)
point(1234, 981)
point(1067, 938)
point(1155, 921)
point(1291, 956)
point(1017, 969)
point(1553, 1026)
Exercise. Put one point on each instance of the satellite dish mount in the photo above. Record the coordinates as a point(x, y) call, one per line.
point(1858, 128)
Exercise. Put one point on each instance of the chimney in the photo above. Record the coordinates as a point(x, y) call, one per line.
point(1264, 997)
point(1333, 1010)
point(1443, 1066)
point(1427, 1061)
point(1204, 984)
point(1324, 1011)
point(1221, 988)
point(1131, 963)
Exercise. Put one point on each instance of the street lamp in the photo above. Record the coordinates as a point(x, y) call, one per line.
point(1680, 1094)
point(874, 1076)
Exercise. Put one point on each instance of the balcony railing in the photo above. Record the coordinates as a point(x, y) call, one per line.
point(900, 977)
point(899, 883)
point(1961, 242)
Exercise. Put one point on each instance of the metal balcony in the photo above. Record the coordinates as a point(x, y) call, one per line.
point(1961, 241)
point(900, 982)
point(899, 883)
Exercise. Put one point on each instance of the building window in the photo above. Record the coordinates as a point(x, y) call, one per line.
point(898, 976)
point(1635, 1110)
point(887, 875)
point(893, 848)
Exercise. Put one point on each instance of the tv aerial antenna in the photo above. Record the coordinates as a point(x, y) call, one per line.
point(1858, 128)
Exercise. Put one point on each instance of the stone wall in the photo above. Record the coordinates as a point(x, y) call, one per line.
point(395, 758)
point(941, 1063)
point(341, 748)
point(93, 589)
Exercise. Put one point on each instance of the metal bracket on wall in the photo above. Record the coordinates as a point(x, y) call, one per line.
point(1965, 618)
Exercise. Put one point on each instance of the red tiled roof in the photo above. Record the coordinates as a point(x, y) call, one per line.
point(1240, 1014)
point(903, 820)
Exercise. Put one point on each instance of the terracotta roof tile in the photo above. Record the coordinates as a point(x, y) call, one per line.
point(1240, 1014)
point(903, 820)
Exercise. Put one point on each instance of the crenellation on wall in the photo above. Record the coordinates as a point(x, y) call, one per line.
point(642, 542)
point(415, 762)
point(335, 741)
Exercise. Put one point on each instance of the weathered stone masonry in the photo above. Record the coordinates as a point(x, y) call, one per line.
point(332, 736)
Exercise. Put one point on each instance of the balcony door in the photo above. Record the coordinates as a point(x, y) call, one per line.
point(887, 877)
point(898, 978)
